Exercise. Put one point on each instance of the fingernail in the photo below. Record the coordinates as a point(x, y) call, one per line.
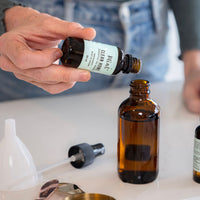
point(84, 76)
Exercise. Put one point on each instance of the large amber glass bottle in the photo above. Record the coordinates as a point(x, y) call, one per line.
point(138, 135)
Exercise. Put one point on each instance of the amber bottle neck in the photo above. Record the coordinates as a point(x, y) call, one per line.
point(139, 89)
point(131, 64)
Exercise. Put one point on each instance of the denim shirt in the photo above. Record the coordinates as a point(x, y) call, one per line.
point(52, 7)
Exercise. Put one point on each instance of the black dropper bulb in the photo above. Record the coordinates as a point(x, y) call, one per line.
point(85, 154)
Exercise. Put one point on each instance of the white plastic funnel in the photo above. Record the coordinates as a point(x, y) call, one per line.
point(17, 169)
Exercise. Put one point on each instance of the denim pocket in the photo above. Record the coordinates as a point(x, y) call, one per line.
point(101, 15)
point(52, 7)
point(95, 12)
point(139, 26)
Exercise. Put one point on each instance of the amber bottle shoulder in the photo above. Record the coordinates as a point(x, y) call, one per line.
point(139, 109)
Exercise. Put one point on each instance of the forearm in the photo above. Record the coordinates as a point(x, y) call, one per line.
point(191, 60)
point(187, 17)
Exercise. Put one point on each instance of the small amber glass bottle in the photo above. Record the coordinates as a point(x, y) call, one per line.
point(196, 156)
point(97, 57)
point(138, 135)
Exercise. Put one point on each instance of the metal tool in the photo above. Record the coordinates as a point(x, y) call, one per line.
point(53, 190)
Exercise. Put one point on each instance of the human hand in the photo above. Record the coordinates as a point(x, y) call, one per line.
point(29, 49)
point(191, 90)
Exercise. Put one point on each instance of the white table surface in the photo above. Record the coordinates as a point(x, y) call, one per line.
point(50, 126)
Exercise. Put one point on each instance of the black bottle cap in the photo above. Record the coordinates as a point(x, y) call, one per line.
point(86, 154)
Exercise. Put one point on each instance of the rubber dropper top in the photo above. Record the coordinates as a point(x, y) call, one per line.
point(17, 169)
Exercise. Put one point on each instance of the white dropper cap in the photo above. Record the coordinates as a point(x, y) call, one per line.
point(17, 169)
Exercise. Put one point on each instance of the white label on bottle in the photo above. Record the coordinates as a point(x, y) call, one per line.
point(196, 156)
point(100, 58)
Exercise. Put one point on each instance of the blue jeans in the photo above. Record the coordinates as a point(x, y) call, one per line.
point(139, 27)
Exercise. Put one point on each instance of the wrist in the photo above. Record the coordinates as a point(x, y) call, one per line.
point(191, 61)
point(16, 15)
